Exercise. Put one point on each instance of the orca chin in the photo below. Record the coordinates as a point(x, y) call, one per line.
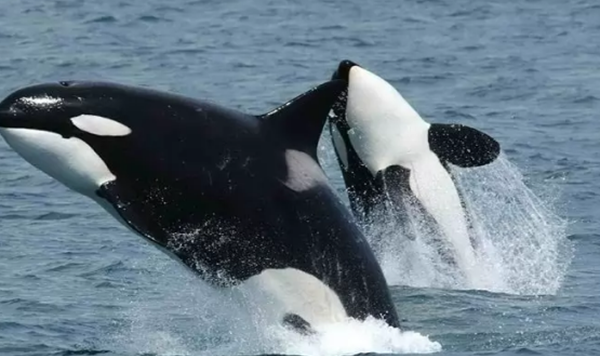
point(10, 119)
point(239, 199)
point(390, 156)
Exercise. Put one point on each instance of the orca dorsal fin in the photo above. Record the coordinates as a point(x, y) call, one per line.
point(462, 145)
point(302, 119)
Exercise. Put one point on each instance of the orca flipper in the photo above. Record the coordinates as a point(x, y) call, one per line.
point(130, 211)
point(462, 145)
point(395, 187)
point(302, 119)
point(298, 323)
point(394, 184)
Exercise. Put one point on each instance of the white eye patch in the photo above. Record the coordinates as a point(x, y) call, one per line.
point(100, 126)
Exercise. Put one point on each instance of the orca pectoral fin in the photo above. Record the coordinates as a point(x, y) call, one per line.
point(394, 183)
point(297, 323)
point(462, 145)
point(302, 119)
point(129, 212)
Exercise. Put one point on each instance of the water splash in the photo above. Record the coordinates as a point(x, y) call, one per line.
point(345, 337)
point(255, 337)
point(178, 314)
point(521, 242)
point(522, 236)
point(350, 338)
point(185, 316)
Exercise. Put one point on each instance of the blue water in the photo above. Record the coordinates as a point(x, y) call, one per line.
point(75, 282)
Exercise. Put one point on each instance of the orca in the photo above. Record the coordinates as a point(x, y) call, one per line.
point(390, 157)
point(236, 198)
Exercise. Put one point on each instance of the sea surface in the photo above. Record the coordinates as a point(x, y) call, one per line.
point(75, 282)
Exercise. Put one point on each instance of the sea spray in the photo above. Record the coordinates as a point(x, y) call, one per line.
point(521, 242)
point(349, 338)
point(181, 315)
point(522, 236)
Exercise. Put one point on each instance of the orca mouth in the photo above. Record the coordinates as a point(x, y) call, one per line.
point(14, 118)
point(339, 106)
point(343, 70)
point(338, 109)
point(9, 117)
point(32, 107)
point(39, 97)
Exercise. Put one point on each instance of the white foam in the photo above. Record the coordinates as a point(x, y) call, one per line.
point(350, 338)
point(176, 314)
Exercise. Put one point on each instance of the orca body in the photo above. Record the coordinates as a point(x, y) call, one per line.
point(390, 157)
point(235, 197)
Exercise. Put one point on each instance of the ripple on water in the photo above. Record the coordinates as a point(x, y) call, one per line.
point(82, 352)
point(109, 269)
point(55, 215)
point(65, 267)
point(153, 19)
point(33, 306)
point(105, 19)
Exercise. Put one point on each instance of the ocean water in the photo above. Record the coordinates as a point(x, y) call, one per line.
point(75, 282)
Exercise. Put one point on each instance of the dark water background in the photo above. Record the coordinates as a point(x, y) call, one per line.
point(73, 281)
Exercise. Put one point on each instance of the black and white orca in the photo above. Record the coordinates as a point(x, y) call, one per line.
point(390, 156)
point(235, 197)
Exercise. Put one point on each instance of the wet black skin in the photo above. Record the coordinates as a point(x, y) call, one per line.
point(207, 184)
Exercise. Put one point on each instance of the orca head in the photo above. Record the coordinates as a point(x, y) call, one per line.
point(369, 97)
point(70, 130)
point(376, 116)
point(373, 115)
point(385, 129)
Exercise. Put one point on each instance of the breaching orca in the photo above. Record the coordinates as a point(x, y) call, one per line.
point(235, 197)
point(389, 156)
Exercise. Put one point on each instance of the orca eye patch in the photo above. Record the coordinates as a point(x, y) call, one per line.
point(100, 126)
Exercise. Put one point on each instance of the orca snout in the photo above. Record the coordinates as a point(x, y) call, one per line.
point(34, 107)
point(343, 70)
